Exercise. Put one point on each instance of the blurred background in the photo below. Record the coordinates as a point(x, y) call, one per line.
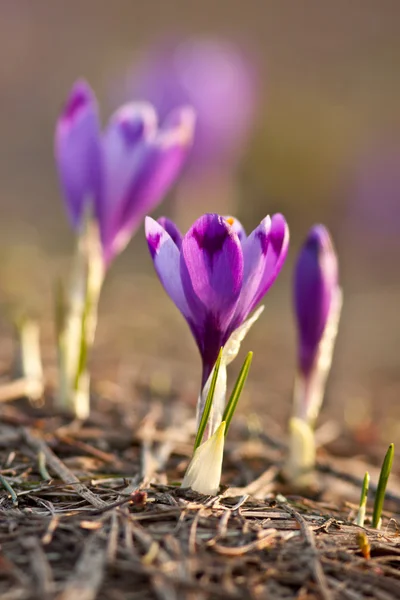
point(317, 138)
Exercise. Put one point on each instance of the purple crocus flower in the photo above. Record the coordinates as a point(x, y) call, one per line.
point(215, 274)
point(123, 172)
point(315, 294)
point(217, 79)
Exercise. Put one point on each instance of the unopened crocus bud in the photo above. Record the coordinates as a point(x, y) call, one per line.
point(315, 287)
point(317, 304)
point(203, 474)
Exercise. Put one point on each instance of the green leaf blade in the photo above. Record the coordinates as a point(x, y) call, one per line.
point(381, 490)
point(236, 392)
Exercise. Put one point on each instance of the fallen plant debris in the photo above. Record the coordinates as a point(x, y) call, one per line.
point(103, 528)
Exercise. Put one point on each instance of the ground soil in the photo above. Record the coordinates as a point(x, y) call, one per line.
point(93, 510)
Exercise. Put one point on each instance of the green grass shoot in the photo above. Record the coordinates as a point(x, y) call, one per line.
point(207, 407)
point(236, 392)
point(363, 501)
point(381, 490)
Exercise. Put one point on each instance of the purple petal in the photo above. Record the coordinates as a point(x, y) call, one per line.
point(237, 227)
point(77, 151)
point(212, 276)
point(275, 255)
point(255, 256)
point(166, 259)
point(172, 230)
point(129, 128)
point(156, 167)
point(316, 282)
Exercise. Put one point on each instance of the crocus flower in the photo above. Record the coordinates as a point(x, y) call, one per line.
point(317, 304)
point(213, 76)
point(216, 275)
point(317, 299)
point(123, 172)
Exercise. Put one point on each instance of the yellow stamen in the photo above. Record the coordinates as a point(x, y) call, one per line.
point(230, 220)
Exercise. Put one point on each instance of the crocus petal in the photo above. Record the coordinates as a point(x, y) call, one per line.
point(315, 286)
point(129, 128)
point(203, 474)
point(77, 151)
point(212, 275)
point(255, 256)
point(166, 259)
point(156, 167)
point(237, 227)
point(172, 229)
point(275, 253)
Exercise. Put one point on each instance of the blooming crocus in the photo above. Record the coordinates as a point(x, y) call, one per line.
point(123, 172)
point(317, 305)
point(216, 276)
point(110, 180)
point(215, 77)
point(203, 474)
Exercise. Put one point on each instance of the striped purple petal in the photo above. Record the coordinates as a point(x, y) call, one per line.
point(129, 128)
point(274, 256)
point(77, 151)
point(172, 230)
point(157, 164)
point(212, 276)
point(166, 259)
point(315, 283)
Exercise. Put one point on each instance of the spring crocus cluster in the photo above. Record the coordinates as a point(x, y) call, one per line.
point(125, 171)
point(214, 77)
point(317, 305)
point(110, 180)
point(216, 276)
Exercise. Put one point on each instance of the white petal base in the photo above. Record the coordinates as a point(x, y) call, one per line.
point(203, 474)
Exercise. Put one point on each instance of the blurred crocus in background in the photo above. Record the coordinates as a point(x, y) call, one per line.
point(371, 225)
point(220, 81)
point(216, 276)
point(110, 180)
point(317, 306)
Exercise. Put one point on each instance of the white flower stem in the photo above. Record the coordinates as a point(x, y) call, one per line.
point(77, 324)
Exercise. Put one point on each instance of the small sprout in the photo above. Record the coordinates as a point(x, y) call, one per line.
point(6, 485)
point(41, 459)
point(29, 358)
point(363, 544)
point(363, 501)
point(380, 492)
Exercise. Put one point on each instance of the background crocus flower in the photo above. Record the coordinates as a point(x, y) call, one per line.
point(317, 305)
point(125, 171)
point(110, 180)
point(216, 275)
point(217, 79)
point(316, 292)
